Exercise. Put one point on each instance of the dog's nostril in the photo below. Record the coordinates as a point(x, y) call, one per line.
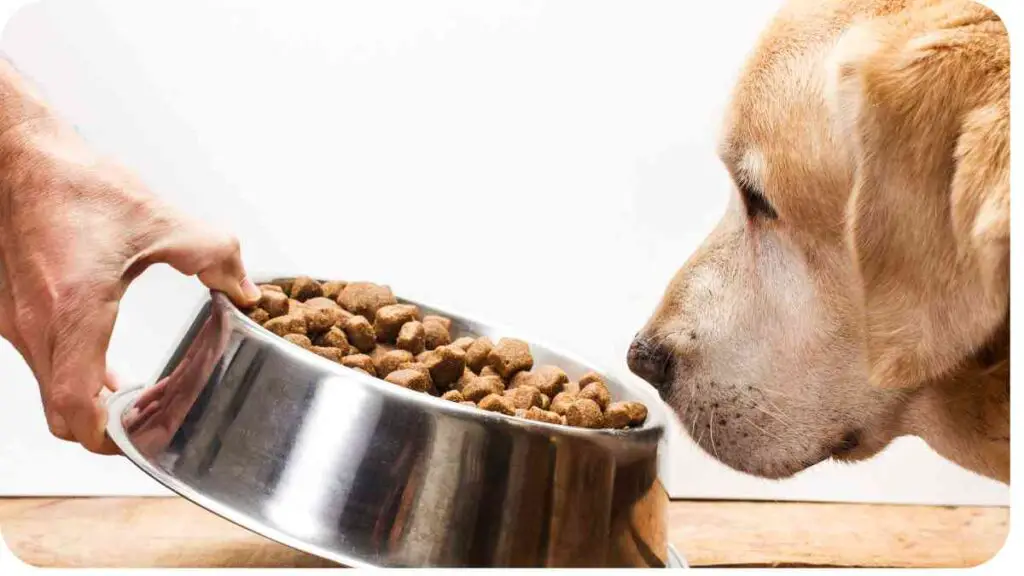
point(649, 361)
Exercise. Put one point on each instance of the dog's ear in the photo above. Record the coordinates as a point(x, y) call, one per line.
point(922, 101)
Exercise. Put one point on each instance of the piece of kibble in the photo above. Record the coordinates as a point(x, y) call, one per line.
point(522, 378)
point(275, 303)
point(286, 325)
point(360, 333)
point(271, 287)
point(481, 387)
point(360, 361)
point(571, 386)
point(616, 415)
point(488, 371)
point(597, 392)
point(466, 378)
point(333, 289)
point(337, 314)
point(299, 340)
point(524, 396)
point(560, 403)
point(520, 413)
point(411, 337)
point(446, 322)
point(510, 356)
point(365, 298)
point(497, 403)
point(542, 415)
point(545, 401)
point(591, 377)
point(637, 412)
point(422, 356)
point(419, 366)
point(258, 315)
point(318, 319)
point(446, 365)
point(465, 342)
point(334, 338)
point(411, 379)
point(549, 379)
point(322, 302)
point(390, 319)
point(391, 360)
point(453, 396)
point(584, 413)
point(304, 288)
point(285, 284)
point(476, 354)
point(328, 352)
point(435, 334)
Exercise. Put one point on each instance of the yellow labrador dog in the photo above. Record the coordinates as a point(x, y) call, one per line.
point(857, 289)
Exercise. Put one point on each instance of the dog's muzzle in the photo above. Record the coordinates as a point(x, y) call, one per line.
point(650, 361)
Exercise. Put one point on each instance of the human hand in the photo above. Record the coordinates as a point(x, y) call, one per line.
point(75, 230)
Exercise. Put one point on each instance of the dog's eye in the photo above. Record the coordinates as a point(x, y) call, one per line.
point(756, 203)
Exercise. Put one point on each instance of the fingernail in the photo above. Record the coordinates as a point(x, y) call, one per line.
point(250, 290)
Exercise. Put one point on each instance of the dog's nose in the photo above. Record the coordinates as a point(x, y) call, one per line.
point(649, 361)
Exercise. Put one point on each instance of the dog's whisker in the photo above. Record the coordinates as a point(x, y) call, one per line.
point(711, 426)
point(763, 431)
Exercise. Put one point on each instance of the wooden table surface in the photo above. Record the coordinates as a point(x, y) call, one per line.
point(171, 532)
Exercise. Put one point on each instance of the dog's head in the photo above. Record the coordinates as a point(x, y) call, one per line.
point(863, 259)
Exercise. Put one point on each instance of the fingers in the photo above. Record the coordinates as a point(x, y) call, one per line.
point(74, 409)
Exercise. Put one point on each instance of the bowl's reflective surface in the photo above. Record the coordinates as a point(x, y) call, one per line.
point(345, 466)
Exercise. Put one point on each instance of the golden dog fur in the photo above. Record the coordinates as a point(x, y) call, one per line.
point(872, 301)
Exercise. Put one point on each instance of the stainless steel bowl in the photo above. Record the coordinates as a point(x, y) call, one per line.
point(345, 466)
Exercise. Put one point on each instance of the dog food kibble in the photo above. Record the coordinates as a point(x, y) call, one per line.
point(333, 289)
point(616, 415)
point(542, 415)
point(275, 303)
point(412, 337)
point(334, 338)
point(361, 362)
point(560, 403)
point(258, 315)
point(411, 379)
point(497, 403)
point(488, 371)
point(446, 322)
point(362, 326)
point(454, 396)
point(365, 298)
point(597, 392)
point(360, 333)
point(525, 397)
point(304, 288)
point(510, 356)
point(390, 319)
point(584, 413)
point(286, 325)
point(481, 387)
point(476, 354)
point(446, 365)
point(327, 352)
point(299, 340)
point(637, 413)
point(389, 361)
point(465, 342)
point(435, 334)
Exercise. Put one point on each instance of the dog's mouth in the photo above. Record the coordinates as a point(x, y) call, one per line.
point(846, 447)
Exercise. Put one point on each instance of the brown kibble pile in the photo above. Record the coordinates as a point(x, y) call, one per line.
point(361, 325)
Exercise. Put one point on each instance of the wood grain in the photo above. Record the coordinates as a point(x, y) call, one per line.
point(171, 532)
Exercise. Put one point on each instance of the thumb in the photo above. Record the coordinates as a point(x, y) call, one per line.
point(195, 249)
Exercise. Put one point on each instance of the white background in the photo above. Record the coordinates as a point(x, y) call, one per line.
point(543, 165)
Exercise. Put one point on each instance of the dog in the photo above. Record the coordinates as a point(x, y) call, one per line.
point(857, 288)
